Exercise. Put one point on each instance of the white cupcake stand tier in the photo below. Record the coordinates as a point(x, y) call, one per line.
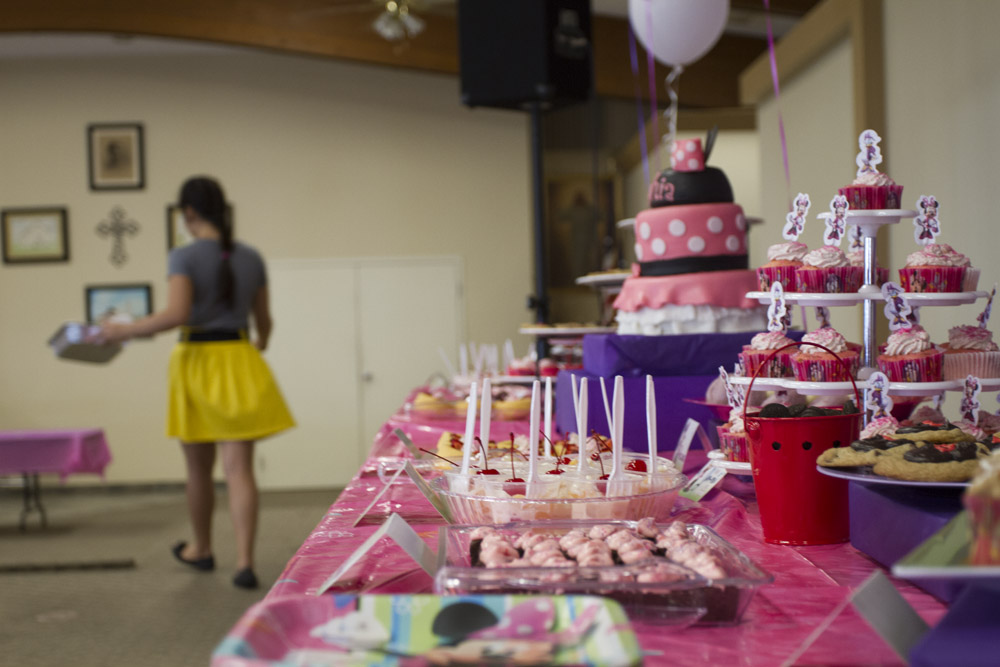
point(869, 221)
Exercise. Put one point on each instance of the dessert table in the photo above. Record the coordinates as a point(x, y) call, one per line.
point(65, 452)
point(810, 589)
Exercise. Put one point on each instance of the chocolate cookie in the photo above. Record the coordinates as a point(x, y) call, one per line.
point(934, 462)
point(863, 452)
point(932, 432)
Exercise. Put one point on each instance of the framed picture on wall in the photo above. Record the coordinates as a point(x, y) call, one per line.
point(34, 235)
point(177, 232)
point(115, 156)
point(106, 301)
point(580, 227)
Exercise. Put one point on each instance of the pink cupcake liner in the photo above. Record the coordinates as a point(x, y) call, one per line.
point(932, 278)
point(833, 280)
point(768, 275)
point(873, 196)
point(971, 280)
point(822, 369)
point(733, 445)
point(778, 366)
point(927, 368)
point(957, 365)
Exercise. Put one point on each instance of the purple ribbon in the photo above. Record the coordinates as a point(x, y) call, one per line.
point(777, 100)
point(638, 104)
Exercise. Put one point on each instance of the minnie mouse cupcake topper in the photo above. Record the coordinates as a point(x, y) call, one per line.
point(836, 224)
point(796, 219)
point(926, 225)
point(970, 399)
point(777, 311)
point(870, 155)
point(984, 317)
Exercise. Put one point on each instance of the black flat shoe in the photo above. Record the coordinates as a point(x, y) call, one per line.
point(245, 578)
point(204, 564)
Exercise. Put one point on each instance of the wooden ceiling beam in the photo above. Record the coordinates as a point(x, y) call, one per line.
point(308, 27)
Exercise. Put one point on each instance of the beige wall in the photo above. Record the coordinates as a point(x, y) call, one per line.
point(942, 96)
point(320, 159)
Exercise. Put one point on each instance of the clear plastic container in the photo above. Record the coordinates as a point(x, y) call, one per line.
point(474, 506)
point(690, 596)
point(388, 466)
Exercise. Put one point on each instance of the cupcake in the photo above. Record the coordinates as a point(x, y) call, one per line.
point(782, 261)
point(757, 356)
point(936, 267)
point(880, 427)
point(827, 270)
point(857, 258)
point(733, 437)
point(870, 188)
point(982, 500)
point(909, 356)
point(970, 350)
point(814, 364)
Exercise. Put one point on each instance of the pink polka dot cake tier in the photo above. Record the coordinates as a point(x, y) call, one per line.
point(692, 273)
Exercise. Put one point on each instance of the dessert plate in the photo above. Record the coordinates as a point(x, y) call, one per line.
point(853, 298)
point(866, 476)
point(945, 555)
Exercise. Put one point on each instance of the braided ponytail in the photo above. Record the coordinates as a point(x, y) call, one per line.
point(205, 196)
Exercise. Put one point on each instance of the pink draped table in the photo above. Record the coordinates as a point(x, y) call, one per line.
point(810, 582)
point(60, 451)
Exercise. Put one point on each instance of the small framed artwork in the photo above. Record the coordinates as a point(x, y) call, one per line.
point(126, 302)
point(177, 231)
point(34, 235)
point(115, 156)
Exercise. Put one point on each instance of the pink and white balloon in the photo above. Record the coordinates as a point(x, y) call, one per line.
point(678, 32)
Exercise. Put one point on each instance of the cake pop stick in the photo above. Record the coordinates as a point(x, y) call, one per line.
point(486, 414)
point(581, 425)
point(651, 425)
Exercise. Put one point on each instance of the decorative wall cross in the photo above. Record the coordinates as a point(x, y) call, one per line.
point(118, 227)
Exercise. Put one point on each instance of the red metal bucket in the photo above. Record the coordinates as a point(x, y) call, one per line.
point(799, 505)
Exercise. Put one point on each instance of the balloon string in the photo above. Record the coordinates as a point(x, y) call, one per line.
point(651, 69)
point(777, 101)
point(671, 112)
point(638, 104)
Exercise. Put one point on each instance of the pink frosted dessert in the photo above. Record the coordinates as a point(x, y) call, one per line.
point(936, 267)
point(827, 270)
point(909, 356)
point(757, 355)
point(814, 364)
point(970, 350)
point(783, 259)
point(882, 426)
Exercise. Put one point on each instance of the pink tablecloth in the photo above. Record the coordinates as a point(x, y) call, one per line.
point(810, 582)
point(62, 451)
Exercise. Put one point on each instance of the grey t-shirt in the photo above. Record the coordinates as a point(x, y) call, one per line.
point(200, 261)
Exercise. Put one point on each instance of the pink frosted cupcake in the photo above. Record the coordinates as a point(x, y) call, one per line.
point(827, 270)
point(982, 500)
point(970, 350)
point(909, 356)
point(782, 261)
point(936, 267)
point(873, 190)
point(733, 437)
point(814, 364)
point(880, 426)
point(857, 258)
point(756, 355)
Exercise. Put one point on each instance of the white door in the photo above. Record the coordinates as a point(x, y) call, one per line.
point(313, 354)
point(408, 309)
point(351, 339)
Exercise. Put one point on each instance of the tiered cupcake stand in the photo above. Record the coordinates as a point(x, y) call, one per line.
point(870, 294)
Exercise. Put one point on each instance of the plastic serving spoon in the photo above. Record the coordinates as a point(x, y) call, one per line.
point(616, 480)
point(581, 426)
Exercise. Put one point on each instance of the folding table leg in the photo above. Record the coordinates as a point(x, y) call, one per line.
point(32, 500)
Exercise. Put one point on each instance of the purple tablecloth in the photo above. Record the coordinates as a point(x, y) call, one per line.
point(62, 451)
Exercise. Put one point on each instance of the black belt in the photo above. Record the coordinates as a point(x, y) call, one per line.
point(211, 335)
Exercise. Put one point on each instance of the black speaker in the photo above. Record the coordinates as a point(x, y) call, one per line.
point(513, 53)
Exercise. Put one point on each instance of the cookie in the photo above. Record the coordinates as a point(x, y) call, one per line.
point(934, 462)
point(932, 432)
point(863, 452)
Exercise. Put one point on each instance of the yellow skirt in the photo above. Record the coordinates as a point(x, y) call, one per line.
point(223, 390)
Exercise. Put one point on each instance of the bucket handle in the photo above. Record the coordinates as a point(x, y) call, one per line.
point(857, 395)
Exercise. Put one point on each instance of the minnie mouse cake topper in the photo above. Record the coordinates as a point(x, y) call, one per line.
point(836, 223)
point(926, 225)
point(796, 219)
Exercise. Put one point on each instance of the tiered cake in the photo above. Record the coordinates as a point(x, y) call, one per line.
point(691, 245)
